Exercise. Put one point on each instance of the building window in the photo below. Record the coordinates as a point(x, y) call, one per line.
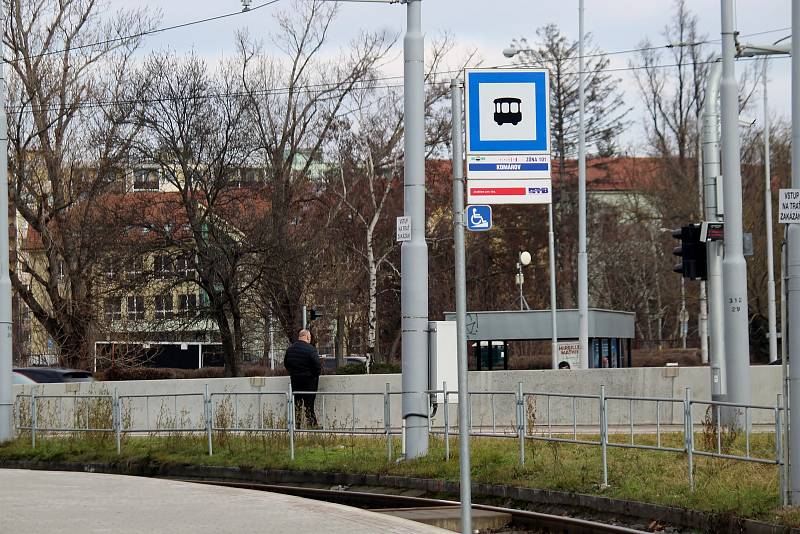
point(136, 308)
point(163, 307)
point(108, 267)
point(113, 309)
point(249, 177)
point(135, 266)
point(162, 265)
point(187, 305)
point(145, 180)
point(109, 176)
point(186, 266)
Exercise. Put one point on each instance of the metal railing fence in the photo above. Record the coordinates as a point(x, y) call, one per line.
point(604, 421)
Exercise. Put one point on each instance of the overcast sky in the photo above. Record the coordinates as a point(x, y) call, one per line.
point(489, 26)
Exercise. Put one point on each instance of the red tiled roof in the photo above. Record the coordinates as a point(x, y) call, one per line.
point(602, 174)
point(153, 209)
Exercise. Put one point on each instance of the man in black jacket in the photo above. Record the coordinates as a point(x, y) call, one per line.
point(302, 363)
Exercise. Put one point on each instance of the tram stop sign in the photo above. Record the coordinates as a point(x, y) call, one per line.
point(507, 111)
point(508, 136)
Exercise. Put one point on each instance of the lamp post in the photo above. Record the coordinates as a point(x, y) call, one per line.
point(771, 312)
point(523, 260)
point(5, 280)
point(510, 52)
point(414, 253)
point(734, 268)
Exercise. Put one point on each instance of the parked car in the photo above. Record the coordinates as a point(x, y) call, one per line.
point(329, 361)
point(48, 375)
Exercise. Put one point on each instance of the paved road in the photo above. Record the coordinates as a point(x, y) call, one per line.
point(88, 503)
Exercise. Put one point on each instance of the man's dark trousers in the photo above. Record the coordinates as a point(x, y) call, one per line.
point(304, 402)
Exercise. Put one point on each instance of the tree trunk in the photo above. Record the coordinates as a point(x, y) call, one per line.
point(372, 315)
point(339, 342)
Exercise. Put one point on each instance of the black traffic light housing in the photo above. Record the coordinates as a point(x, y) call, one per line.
point(314, 314)
point(694, 263)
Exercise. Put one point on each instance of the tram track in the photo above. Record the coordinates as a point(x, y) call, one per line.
point(521, 519)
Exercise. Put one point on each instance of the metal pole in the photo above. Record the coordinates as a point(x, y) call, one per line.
point(689, 434)
point(785, 371)
point(583, 264)
point(271, 345)
point(305, 316)
point(604, 434)
point(209, 420)
point(711, 177)
point(521, 423)
point(734, 269)
point(6, 393)
point(793, 274)
point(702, 316)
point(553, 306)
point(520, 281)
point(461, 308)
point(290, 422)
point(116, 419)
point(773, 336)
point(684, 314)
point(414, 253)
point(387, 419)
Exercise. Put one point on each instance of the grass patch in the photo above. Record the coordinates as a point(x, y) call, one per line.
point(744, 489)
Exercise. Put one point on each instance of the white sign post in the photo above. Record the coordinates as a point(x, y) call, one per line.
point(569, 352)
point(508, 146)
point(404, 228)
point(508, 128)
point(789, 206)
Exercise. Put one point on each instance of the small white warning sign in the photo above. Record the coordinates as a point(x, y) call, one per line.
point(789, 206)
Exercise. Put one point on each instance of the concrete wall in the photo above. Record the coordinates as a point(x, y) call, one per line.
point(180, 402)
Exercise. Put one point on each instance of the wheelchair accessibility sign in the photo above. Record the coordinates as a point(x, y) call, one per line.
point(479, 218)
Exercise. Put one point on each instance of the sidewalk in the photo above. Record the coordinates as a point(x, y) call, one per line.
point(87, 503)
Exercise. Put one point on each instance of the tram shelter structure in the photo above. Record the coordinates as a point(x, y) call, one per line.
point(489, 332)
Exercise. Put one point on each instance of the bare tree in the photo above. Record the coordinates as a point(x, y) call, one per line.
point(295, 101)
point(193, 131)
point(605, 118)
point(368, 156)
point(70, 102)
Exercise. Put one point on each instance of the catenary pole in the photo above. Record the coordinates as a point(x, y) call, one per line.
point(734, 269)
point(461, 306)
point(793, 274)
point(583, 263)
point(414, 253)
point(702, 316)
point(771, 313)
point(5, 280)
point(711, 177)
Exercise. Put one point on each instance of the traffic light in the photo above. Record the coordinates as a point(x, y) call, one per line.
point(694, 263)
point(315, 314)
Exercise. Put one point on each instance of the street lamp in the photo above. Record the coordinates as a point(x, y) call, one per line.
point(583, 265)
point(510, 52)
point(523, 260)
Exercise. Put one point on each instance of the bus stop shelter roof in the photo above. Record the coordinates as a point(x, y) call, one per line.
point(535, 324)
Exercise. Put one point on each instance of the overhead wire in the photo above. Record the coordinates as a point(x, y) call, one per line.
point(367, 85)
point(130, 37)
point(309, 88)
